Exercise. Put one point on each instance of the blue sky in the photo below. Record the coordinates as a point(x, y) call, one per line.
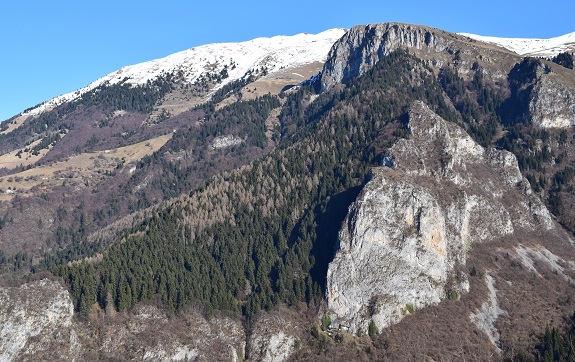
point(48, 48)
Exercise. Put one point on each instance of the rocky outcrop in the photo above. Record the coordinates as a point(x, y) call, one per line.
point(552, 103)
point(486, 317)
point(551, 100)
point(412, 226)
point(363, 46)
point(274, 337)
point(149, 334)
point(36, 323)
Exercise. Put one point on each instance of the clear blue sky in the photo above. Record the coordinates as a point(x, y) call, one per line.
point(48, 48)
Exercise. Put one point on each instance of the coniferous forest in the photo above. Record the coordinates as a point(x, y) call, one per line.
point(250, 237)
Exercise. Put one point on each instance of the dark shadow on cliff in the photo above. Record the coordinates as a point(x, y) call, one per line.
point(328, 226)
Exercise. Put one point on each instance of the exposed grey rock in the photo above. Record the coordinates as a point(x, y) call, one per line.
point(414, 223)
point(363, 46)
point(551, 100)
point(36, 323)
point(149, 334)
point(274, 338)
point(485, 318)
point(226, 141)
point(552, 103)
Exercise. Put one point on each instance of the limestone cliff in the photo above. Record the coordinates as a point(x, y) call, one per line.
point(405, 239)
point(550, 96)
point(363, 46)
point(37, 322)
point(552, 103)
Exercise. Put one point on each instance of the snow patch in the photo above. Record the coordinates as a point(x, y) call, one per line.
point(534, 47)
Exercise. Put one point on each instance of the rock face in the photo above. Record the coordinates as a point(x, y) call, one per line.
point(551, 99)
point(274, 337)
point(363, 46)
point(552, 103)
point(36, 323)
point(411, 228)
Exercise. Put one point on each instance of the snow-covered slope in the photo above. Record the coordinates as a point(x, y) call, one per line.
point(532, 47)
point(274, 53)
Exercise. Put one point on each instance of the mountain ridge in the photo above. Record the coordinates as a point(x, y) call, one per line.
point(236, 214)
point(531, 46)
point(277, 52)
point(141, 72)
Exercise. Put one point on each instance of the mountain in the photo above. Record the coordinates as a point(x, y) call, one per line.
point(531, 47)
point(411, 199)
point(224, 62)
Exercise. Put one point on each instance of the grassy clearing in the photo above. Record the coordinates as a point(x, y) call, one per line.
point(11, 160)
point(80, 170)
point(15, 123)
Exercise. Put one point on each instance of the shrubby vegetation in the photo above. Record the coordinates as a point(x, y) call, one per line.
point(110, 97)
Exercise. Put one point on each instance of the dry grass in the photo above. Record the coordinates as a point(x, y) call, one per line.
point(15, 123)
point(177, 102)
point(84, 169)
point(11, 161)
point(274, 83)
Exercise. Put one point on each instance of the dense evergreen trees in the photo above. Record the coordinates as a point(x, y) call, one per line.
point(477, 103)
point(564, 59)
point(247, 240)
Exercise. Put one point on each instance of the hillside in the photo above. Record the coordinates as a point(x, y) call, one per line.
point(268, 222)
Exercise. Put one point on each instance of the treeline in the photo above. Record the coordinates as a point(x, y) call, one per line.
point(564, 59)
point(127, 97)
point(249, 239)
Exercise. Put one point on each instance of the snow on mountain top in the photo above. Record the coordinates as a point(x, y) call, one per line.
point(273, 53)
point(533, 47)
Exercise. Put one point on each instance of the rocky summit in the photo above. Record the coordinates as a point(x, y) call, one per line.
point(405, 242)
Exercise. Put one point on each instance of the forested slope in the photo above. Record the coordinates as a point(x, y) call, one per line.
point(251, 238)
